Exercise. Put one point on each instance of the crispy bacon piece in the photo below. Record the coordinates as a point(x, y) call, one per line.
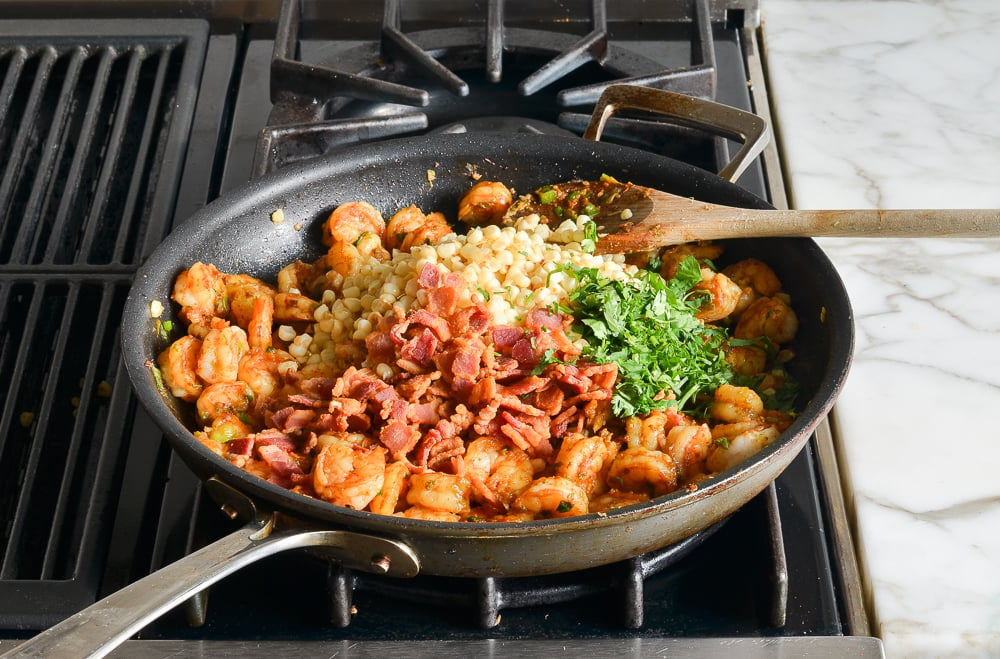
point(399, 438)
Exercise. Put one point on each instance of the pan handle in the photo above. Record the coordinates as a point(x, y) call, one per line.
point(745, 127)
point(103, 626)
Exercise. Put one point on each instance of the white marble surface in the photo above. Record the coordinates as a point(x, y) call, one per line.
point(897, 105)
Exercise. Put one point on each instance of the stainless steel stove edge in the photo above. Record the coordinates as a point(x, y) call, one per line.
point(815, 647)
point(746, 12)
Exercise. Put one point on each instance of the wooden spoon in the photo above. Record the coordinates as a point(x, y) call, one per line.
point(636, 218)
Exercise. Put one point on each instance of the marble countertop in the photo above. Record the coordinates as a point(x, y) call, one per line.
point(896, 104)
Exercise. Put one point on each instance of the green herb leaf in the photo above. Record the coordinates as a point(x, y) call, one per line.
point(647, 327)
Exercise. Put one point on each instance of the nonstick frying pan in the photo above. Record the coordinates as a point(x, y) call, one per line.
point(237, 235)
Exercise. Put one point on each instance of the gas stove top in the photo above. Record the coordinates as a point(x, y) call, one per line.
point(122, 119)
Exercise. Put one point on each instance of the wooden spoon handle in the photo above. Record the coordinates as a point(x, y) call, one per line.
point(660, 219)
point(862, 223)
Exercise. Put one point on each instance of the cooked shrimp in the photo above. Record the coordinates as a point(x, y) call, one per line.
point(755, 278)
point(409, 227)
point(393, 490)
point(497, 471)
point(585, 461)
point(485, 203)
point(732, 404)
point(300, 276)
point(434, 228)
point(437, 491)
point(293, 307)
point(400, 224)
point(552, 496)
point(651, 431)
point(688, 446)
point(723, 296)
point(178, 367)
point(430, 514)
point(747, 359)
point(350, 221)
point(672, 257)
point(221, 350)
point(259, 368)
point(734, 443)
point(769, 317)
point(201, 292)
point(224, 397)
point(349, 475)
point(638, 469)
point(616, 499)
point(261, 322)
point(243, 291)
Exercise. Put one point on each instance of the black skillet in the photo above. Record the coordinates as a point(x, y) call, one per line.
point(237, 235)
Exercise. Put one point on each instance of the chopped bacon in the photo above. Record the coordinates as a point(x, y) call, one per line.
point(435, 323)
point(526, 435)
point(472, 320)
point(399, 438)
point(524, 386)
point(308, 401)
point(430, 276)
point(423, 414)
point(483, 390)
point(420, 348)
point(416, 387)
point(273, 437)
point(542, 318)
point(292, 420)
point(394, 409)
point(442, 301)
point(571, 376)
point(318, 388)
point(346, 406)
point(380, 346)
point(242, 446)
point(281, 462)
point(549, 398)
point(524, 352)
point(468, 358)
point(462, 419)
point(439, 445)
point(505, 336)
point(515, 403)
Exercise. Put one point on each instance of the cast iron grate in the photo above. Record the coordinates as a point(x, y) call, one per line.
point(408, 78)
point(94, 122)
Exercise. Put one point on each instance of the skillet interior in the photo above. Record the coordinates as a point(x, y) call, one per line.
point(236, 234)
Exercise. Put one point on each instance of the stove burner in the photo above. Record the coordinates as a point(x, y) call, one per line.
point(622, 581)
point(502, 124)
point(369, 95)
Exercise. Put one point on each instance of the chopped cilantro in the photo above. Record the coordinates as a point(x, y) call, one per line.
point(564, 506)
point(647, 326)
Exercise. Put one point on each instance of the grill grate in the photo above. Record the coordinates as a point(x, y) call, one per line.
point(85, 130)
point(94, 122)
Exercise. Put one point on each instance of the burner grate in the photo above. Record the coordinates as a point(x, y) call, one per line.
point(94, 119)
point(370, 93)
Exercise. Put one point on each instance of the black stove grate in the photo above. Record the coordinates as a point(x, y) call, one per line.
point(369, 91)
point(94, 118)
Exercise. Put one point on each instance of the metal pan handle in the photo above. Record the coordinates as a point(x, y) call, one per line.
point(103, 626)
point(749, 129)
